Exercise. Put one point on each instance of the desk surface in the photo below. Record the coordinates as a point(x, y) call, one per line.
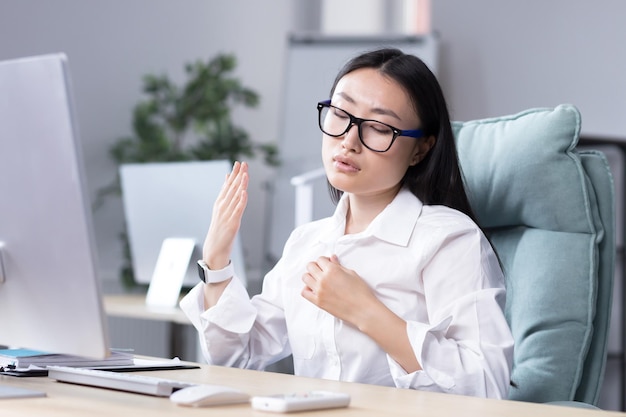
point(134, 306)
point(70, 400)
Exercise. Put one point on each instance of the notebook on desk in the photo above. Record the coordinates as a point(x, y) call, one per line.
point(150, 365)
point(137, 365)
point(25, 358)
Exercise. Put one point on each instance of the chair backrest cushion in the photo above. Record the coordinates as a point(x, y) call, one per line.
point(597, 168)
point(530, 193)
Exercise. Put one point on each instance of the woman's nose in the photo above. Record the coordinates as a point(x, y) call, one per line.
point(351, 139)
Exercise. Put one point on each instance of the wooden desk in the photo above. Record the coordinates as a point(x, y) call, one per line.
point(70, 400)
point(134, 306)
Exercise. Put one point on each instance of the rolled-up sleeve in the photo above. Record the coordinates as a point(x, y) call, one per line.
point(467, 347)
point(238, 331)
point(224, 328)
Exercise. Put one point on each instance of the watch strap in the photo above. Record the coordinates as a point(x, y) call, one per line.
point(213, 276)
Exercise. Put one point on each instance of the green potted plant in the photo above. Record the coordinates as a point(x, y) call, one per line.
point(190, 122)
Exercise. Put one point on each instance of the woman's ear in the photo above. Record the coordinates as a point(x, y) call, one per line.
point(422, 149)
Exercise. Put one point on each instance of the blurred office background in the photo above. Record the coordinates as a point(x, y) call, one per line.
point(495, 57)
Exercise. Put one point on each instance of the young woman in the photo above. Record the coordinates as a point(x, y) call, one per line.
point(399, 287)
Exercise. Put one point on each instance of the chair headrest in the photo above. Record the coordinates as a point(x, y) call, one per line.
point(519, 165)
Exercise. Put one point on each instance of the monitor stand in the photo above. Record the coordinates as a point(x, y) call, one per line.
point(7, 391)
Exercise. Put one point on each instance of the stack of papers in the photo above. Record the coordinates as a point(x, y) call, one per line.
point(25, 358)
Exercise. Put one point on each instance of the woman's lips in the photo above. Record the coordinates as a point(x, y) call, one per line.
point(344, 164)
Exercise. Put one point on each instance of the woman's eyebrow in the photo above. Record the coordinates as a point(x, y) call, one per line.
point(377, 110)
point(386, 112)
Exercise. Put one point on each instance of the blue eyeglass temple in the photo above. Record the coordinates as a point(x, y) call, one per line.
point(415, 133)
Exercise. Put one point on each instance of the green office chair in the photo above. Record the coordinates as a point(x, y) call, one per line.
point(549, 212)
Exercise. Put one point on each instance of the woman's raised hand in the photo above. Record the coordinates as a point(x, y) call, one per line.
point(226, 219)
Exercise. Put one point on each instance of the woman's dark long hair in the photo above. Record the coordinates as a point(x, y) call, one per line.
point(436, 179)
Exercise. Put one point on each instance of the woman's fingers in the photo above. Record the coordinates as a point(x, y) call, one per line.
point(231, 182)
point(231, 193)
point(228, 211)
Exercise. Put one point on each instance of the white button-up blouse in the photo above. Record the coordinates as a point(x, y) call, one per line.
point(430, 265)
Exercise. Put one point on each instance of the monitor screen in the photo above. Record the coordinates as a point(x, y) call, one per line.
point(50, 296)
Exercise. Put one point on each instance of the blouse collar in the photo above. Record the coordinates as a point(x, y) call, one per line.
point(395, 224)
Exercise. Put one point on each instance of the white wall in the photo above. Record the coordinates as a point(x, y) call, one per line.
point(500, 57)
point(112, 44)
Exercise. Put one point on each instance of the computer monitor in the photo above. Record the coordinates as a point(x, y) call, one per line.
point(172, 200)
point(50, 297)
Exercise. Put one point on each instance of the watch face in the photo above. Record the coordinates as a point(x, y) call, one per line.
point(201, 273)
point(209, 276)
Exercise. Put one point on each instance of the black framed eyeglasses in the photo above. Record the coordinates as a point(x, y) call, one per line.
point(374, 135)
